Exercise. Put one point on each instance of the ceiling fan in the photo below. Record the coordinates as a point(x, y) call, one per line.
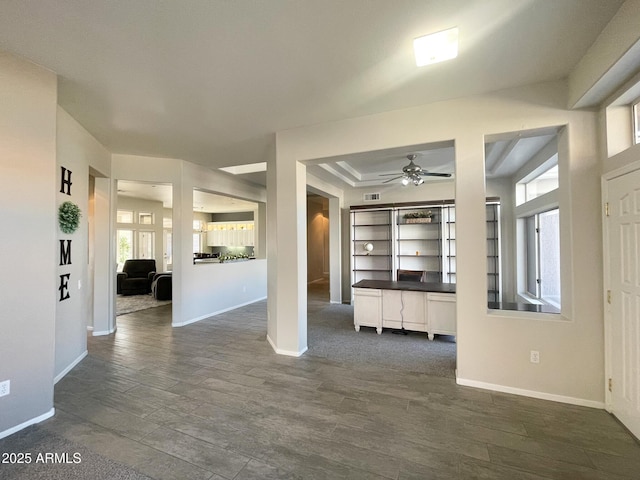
point(413, 173)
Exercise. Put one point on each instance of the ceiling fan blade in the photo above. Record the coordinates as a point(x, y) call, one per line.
point(386, 174)
point(433, 174)
point(392, 179)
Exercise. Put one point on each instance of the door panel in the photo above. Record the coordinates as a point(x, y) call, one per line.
point(623, 230)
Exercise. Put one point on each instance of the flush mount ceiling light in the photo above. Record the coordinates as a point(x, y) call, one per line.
point(436, 47)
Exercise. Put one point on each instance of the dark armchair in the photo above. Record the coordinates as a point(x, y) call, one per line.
point(136, 276)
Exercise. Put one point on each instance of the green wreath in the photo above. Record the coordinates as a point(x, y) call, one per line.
point(69, 217)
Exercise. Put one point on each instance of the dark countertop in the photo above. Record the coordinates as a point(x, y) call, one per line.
point(409, 286)
point(523, 307)
point(450, 288)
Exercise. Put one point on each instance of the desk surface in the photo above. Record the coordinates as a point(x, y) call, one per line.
point(409, 286)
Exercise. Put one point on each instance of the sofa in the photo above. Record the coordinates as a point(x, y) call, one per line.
point(136, 276)
point(161, 286)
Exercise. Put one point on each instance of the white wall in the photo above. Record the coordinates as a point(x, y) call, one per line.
point(28, 240)
point(493, 349)
point(77, 151)
point(213, 288)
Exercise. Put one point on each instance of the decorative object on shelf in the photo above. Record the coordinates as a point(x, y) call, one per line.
point(232, 256)
point(368, 247)
point(418, 217)
point(413, 173)
point(69, 215)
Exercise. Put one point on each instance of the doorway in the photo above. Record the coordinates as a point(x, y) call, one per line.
point(318, 264)
point(143, 245)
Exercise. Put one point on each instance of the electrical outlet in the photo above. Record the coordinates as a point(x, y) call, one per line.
point(535, 356)
point(5, 388)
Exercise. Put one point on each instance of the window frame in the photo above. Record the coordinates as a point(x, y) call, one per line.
point(531, 288)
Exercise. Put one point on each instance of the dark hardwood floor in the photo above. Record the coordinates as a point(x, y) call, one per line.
point(213, 401)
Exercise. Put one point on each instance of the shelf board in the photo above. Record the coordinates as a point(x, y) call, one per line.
point(419, 239)
point(369, 240)
point(372, 255)
point(420, 224)
point(373, 225)
point(388, 270)
point(419, 256)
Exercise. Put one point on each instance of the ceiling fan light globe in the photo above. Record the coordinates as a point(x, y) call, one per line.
point(405, 181)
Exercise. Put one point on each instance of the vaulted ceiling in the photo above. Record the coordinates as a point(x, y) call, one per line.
point(210, 81)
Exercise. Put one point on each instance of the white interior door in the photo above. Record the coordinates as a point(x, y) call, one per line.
point(623, 230)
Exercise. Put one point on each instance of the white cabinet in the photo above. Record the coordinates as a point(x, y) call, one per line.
point(420, 311)
point(404, 309)
point(441, 308)
point(367, 308)
point(231, 234)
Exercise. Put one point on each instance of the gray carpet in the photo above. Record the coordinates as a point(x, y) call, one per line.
point(134, 303)
point(330, 334)
point(38, 441)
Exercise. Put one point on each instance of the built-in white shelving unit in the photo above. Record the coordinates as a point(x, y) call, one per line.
point(417, 238)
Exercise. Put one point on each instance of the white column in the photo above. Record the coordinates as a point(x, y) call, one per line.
point(335, 264)
point(471, 246)
point(104, 259)
point(260, 231)
point(286, 255)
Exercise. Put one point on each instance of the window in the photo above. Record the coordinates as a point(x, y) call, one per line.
point(542, 238)
point(146, 242)
point(145, 218)
point(542, 183)
point(168, 247)
point(124, 216)
point(197, 243)
point(125, 247)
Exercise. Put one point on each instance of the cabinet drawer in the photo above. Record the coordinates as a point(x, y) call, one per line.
point(442, 313)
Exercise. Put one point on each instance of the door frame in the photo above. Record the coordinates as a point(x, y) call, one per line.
point(608, 363)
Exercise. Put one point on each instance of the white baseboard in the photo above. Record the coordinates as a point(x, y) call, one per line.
point(105, 332)
point(289, 353)
point(531, 393)
point(39, 419)
point(61, 375)
point(213, 314)
point(89, 328)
